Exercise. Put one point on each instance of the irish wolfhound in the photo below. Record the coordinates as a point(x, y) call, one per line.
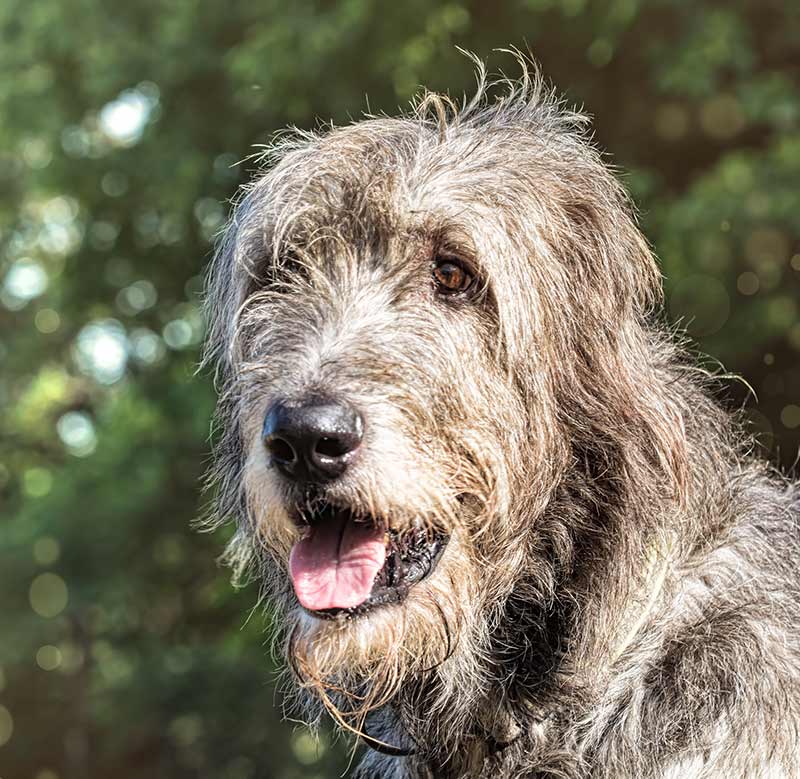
point(505, 528)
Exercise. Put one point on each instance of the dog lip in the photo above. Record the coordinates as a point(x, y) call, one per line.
point(316, 511)
point(411, 556)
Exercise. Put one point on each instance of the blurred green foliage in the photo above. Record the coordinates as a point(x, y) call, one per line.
point(124, 650)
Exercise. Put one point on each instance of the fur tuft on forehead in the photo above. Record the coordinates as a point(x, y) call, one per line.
point(433, 175)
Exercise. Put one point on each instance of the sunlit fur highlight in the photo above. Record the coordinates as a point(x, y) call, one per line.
point(620, 596)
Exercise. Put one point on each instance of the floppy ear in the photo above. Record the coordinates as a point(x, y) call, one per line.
point(609, 252)
point(594, 233)
point(220, 300)
point(227, 281)
point(617, 386)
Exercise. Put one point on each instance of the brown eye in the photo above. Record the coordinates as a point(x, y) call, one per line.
point(451, 277)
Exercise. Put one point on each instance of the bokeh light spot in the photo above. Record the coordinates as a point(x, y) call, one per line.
point(210, 214)
point(37, 482)
point(47, 320)
point(114, 183)
point(101, 350)
point(186, 729)
point(137, 297)
point(46, 773)
point(48, 595)
point(118, 271)
point(61, 233)
point(179, 660)
point(62, 209)
point(48, 657)
point(112, 664)
point(782, 312)
point(75, 141)
point(747, 283)
point(36, 153)
point(25, 280)
point(123, 120)
point(766, 246)
point(194, 286)
point(147, 347)
point(721, 117)
point(169, 551)
point(46, 550)
point(758, 204)
point(72, 657)
point(737, 175)
point(103, 235)
point(6, 725)
point(671, 121)
point(76, 430)
point(790, 416)
point(600, 52)
point(178, 334)
point(307, 749)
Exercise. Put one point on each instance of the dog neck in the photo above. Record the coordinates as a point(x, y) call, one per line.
point(542, 676)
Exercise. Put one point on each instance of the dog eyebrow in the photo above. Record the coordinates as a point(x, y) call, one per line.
point(440, 234)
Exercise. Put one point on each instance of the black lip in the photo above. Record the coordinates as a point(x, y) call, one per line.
point(411, 556)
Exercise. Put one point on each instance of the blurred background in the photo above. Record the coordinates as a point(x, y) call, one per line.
point(124, 651)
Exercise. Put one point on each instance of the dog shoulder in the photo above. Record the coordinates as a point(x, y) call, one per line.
point(712, 685)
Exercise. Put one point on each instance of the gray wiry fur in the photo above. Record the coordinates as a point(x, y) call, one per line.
point(620, 595)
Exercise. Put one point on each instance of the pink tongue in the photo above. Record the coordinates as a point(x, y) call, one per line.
point(336, 565)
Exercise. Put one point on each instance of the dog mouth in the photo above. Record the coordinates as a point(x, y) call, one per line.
point(346, 564)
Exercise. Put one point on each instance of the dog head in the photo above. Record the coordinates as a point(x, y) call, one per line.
point(420, 326)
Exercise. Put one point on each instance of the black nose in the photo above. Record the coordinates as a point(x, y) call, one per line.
point(314, 442)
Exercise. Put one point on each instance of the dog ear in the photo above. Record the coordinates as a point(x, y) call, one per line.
point(228, 279)
point(608, 253)
point(623, 372)
point(219, 302)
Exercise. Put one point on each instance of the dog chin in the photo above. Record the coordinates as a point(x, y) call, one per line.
point(414, 633)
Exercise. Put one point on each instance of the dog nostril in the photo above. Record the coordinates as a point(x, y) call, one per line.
point(281, 451)
point(312, 442)
point(332, 447)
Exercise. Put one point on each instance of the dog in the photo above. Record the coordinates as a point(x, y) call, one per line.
point(504, 526)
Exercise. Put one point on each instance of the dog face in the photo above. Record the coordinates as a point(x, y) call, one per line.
point(411, 317)
point(376, 401)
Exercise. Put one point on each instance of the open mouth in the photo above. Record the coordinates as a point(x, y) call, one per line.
point(346, 564)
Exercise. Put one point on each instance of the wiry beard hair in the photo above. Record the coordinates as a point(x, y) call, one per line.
point(618, 594)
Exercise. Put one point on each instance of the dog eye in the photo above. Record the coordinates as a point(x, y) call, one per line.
point(451, 277)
